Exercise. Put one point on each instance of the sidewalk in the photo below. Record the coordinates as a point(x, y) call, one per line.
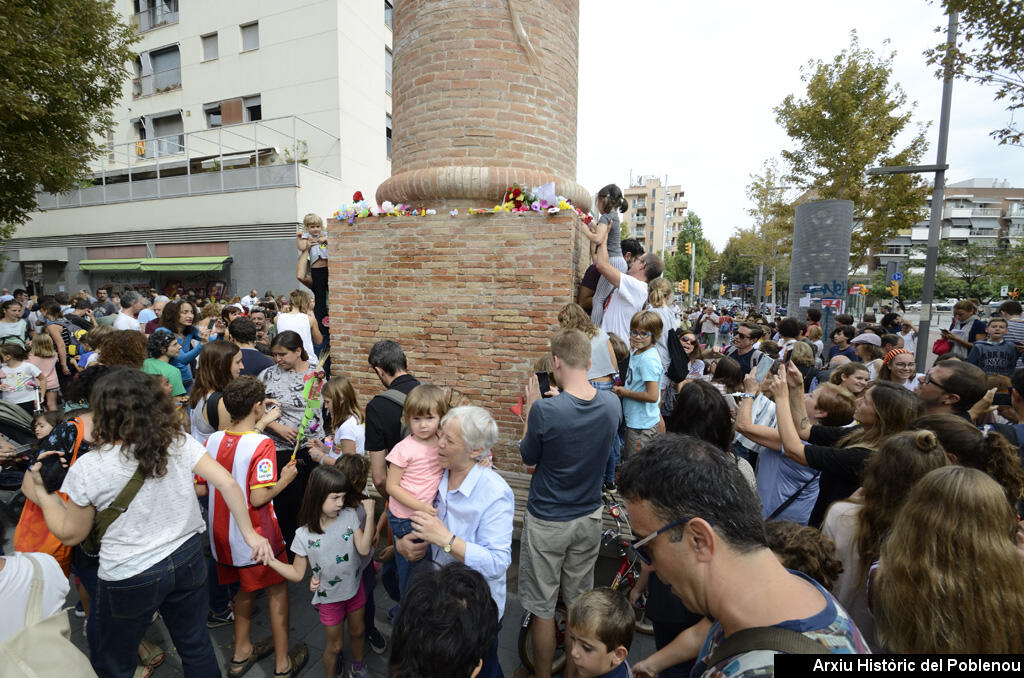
point(305, 627)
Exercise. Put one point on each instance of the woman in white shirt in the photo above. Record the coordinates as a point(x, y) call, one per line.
point(299, 318)
point(151, 557)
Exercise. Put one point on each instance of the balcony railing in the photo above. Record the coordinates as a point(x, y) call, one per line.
point(1016, 210)
point(163, 13)
point(246, 156)
point(156, 83)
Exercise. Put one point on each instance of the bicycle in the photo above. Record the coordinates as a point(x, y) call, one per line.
point(624, 580)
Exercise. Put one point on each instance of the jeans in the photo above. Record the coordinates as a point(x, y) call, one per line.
point(491, 668)
point(369, 584)
point(399, 528)
point(614, 453)
point(123, 610)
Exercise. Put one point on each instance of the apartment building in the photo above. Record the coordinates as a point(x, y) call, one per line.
point(984, 212)
point(237, 119)
point(656, 213)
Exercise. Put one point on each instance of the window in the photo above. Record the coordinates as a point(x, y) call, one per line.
point(209, 47)
point(150, 14)
point(250, 36)
point(388, 9)
point(387, 70)
point(169, 133)
point(110, 144)
point(387, 133)
point(253, 109)
point(212, 113)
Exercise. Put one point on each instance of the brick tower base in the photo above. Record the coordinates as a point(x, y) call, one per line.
point(473, 300)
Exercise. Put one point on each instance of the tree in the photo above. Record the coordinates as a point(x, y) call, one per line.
point(989, 50)
point(677, 264)
point(773, 220)
point(62, 67)
point(848, 122)
point(972, 267)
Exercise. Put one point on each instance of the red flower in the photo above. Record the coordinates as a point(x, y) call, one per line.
point(517, 192)
point(357, 196)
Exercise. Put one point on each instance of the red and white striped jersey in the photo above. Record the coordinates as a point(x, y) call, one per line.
point(252, 459)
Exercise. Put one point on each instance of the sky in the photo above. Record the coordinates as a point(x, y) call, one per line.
point(686, 89)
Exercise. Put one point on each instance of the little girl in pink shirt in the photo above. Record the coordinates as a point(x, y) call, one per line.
point(44, 356)
point(415, 472)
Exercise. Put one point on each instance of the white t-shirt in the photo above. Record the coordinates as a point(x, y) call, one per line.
point(625, 301)
point(15, 580)
point(123, 321)
point(161, 517)
point(909, 340)
point(350, 429)
point(249, 302)
point(21, 383)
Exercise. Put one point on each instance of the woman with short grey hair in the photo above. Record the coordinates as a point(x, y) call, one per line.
point(478, 429)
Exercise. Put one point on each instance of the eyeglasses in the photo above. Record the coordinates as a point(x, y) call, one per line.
point(639, 333)
point(639, 546)
point(928, 380)
point(686, 340)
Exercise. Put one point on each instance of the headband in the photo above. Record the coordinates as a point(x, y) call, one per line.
point(893, 353)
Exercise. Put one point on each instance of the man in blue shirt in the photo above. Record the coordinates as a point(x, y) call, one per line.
point(567, 438)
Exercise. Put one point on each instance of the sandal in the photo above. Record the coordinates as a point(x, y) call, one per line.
point(297, 658)
point(154, 656)
point(260, 650)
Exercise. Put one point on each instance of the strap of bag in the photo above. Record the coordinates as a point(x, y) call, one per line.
point(395, 396)
point(213, 411)
point(117, 507)
point(789, 500)
point(34, 608)
point(764, 638)
point(79, 434)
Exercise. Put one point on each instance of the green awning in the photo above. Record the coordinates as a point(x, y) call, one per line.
point(184, 263)
point(109, 264)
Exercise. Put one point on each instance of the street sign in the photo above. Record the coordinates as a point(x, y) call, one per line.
point(897, 277)
point(1004, 291)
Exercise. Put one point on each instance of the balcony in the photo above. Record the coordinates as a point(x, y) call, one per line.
point(156, 83)
point(640, 219)
point(161, 13)
point(984, 233)
point(1016, 210)
point(247, 156)
point(969, 212)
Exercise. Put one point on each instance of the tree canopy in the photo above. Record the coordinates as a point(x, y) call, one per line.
point(62, 68)
point(848, 121)
point(989, 50)
point(677, 264)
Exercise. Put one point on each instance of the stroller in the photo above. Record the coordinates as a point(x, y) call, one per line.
point(16, 428)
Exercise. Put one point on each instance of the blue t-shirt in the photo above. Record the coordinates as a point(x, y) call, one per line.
point(778, 478)
point(569, 440)
point(992, 358)
point(643, 367)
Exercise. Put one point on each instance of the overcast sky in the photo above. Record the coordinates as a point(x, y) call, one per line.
point(686, 89)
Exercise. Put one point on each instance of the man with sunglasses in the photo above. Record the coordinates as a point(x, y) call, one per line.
point(744, 346)
point(698, 523)
point(951, 387)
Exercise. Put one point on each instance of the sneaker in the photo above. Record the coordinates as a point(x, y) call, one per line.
point(79, 610)
point(361, 673)
point(215, 621)
point(609, 487)
point(376, 640)
point(392, 613)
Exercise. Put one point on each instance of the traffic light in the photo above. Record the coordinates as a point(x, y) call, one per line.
point(721, 290)
point(893, 288)
point(768, 288)
point(689, 248)
point(679, 286)
point(684, 285)
point(696, 288)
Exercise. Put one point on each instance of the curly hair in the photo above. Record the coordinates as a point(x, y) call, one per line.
point(130, 409)
point(949, 577)
point(572, 316)
point(214, 371)
point(901, 461)
point(804, 548)
point(125, 348)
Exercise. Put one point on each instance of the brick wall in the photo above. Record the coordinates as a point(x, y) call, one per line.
point(473, 300)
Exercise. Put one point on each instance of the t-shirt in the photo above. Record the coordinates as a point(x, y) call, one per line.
point(850, 589)
point(569, 440)
point(628, 298)
point(350, 429)
point(161, 517)
point(13, 333)
point(590, 278)
point(254, 362)
point(251, 460)
point(333, 557)
point(384, 416)
point(643, 367)
point(421, 476)
point(746, 360)
point(992, 358)
point(285, 386)
point(841, 467)
point(779, 478)
point(849, 352)
point(15, 581)
point(146, 316)
point(165, 369)
point(20, 383)
point(614, 232)
point(124, 321)
point(832, 627)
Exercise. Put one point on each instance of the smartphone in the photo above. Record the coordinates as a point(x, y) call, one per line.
point(1002, 400)
point(545, 384)
point(764, 367)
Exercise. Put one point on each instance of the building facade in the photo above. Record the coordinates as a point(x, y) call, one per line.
point(656, 213)
point(237, 119)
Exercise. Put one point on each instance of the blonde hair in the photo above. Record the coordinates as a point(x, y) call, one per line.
point(342, 396)
point(949, 576)
point(312, 219)
point(573, 316)
point(42, 346)
point(425, 400)
point(814, 332)
point(801, 354)
point(572, 347)
point(606, 614)
point(299, 301)
point(210, 310)
point(659, 292)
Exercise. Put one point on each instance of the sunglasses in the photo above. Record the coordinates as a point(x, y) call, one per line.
point(639, 548)
point(929, 380)
point(686, 340)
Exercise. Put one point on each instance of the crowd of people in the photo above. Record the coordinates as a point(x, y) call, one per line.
point(773, 477)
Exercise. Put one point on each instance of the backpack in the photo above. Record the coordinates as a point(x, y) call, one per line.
point(72, 335)
point(43, 647)
point(755, 357)
point(397, 397)
point(678, 361)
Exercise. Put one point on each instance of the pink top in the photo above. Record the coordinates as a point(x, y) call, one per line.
point(421, 476)
point(48, 366)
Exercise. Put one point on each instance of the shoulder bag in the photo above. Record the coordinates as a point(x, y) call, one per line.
point(91, 544)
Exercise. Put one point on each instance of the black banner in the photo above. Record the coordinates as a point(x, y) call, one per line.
point(899, 665)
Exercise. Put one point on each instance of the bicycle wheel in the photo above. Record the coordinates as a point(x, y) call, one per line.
point(526, 641)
